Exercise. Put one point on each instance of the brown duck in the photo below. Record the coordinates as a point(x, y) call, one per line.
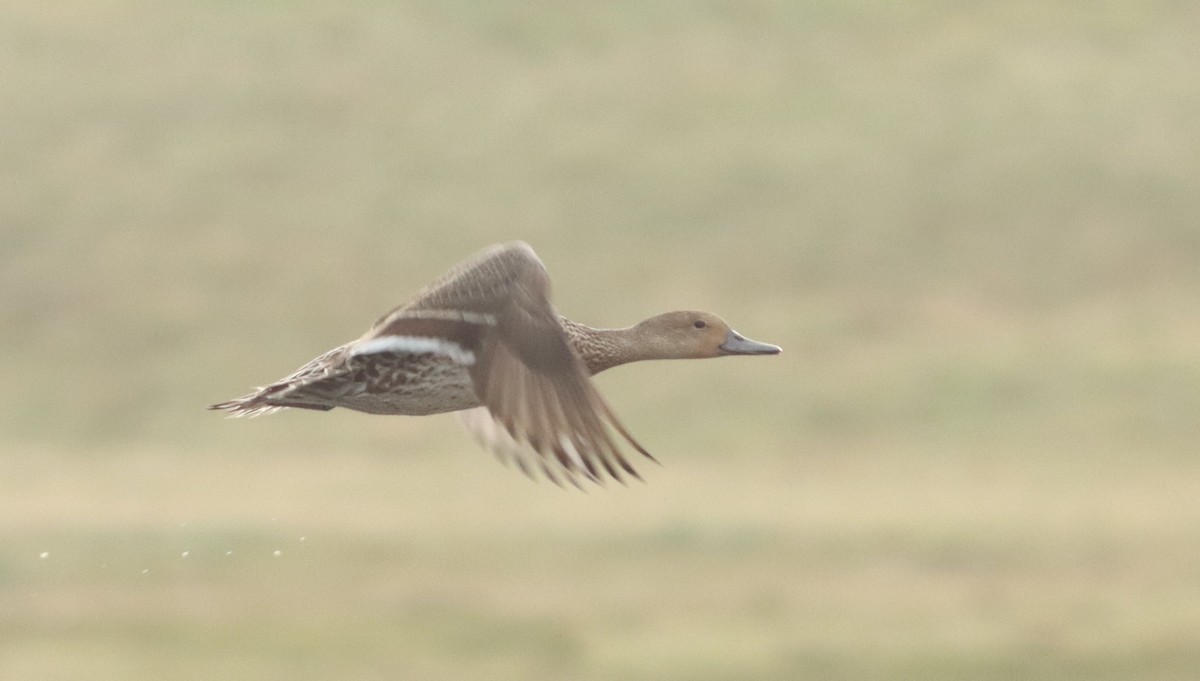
point(484, 340)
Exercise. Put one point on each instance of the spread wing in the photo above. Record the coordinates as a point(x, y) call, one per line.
point(536, 391)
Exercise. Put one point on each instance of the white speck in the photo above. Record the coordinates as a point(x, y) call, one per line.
point(303, 538)
point(44, 555)
point(185, 554)
point(229, 552)
point(278, 553)
point(146, 571)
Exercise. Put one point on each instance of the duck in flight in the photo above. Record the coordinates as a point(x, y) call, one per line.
point(484, 341)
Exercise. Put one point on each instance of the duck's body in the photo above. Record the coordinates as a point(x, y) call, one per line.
point(408, 383)
point(485, 335)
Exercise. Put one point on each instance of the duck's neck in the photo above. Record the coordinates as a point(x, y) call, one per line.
point(603, 349)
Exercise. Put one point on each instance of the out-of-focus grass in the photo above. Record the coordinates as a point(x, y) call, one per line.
point(437, 567)
point(972, 228)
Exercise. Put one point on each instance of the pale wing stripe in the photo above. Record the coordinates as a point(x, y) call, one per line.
point(415, 344)
point(481, 318)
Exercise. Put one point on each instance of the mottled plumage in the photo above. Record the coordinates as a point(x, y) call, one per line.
point(484, 340)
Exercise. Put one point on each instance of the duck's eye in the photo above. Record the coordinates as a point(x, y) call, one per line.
point(699, 324)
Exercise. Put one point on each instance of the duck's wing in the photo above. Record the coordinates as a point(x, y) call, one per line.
point(493, 312)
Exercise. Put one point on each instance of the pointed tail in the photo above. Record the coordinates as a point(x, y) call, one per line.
point(263, 401)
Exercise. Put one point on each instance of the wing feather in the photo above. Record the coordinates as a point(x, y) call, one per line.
point(534, 387)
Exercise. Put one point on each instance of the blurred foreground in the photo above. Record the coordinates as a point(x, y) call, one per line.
point(972, 229)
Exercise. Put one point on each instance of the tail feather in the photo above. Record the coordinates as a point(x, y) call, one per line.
point(292, 392)
point(263, 401)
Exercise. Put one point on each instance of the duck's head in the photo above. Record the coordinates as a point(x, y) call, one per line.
point(695, 335)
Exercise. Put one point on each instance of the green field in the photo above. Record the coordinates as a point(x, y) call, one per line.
point(974, 228)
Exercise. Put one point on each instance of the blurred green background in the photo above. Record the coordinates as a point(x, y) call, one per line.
point(972, 226)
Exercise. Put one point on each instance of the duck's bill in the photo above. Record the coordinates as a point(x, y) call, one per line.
point(737, 344)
